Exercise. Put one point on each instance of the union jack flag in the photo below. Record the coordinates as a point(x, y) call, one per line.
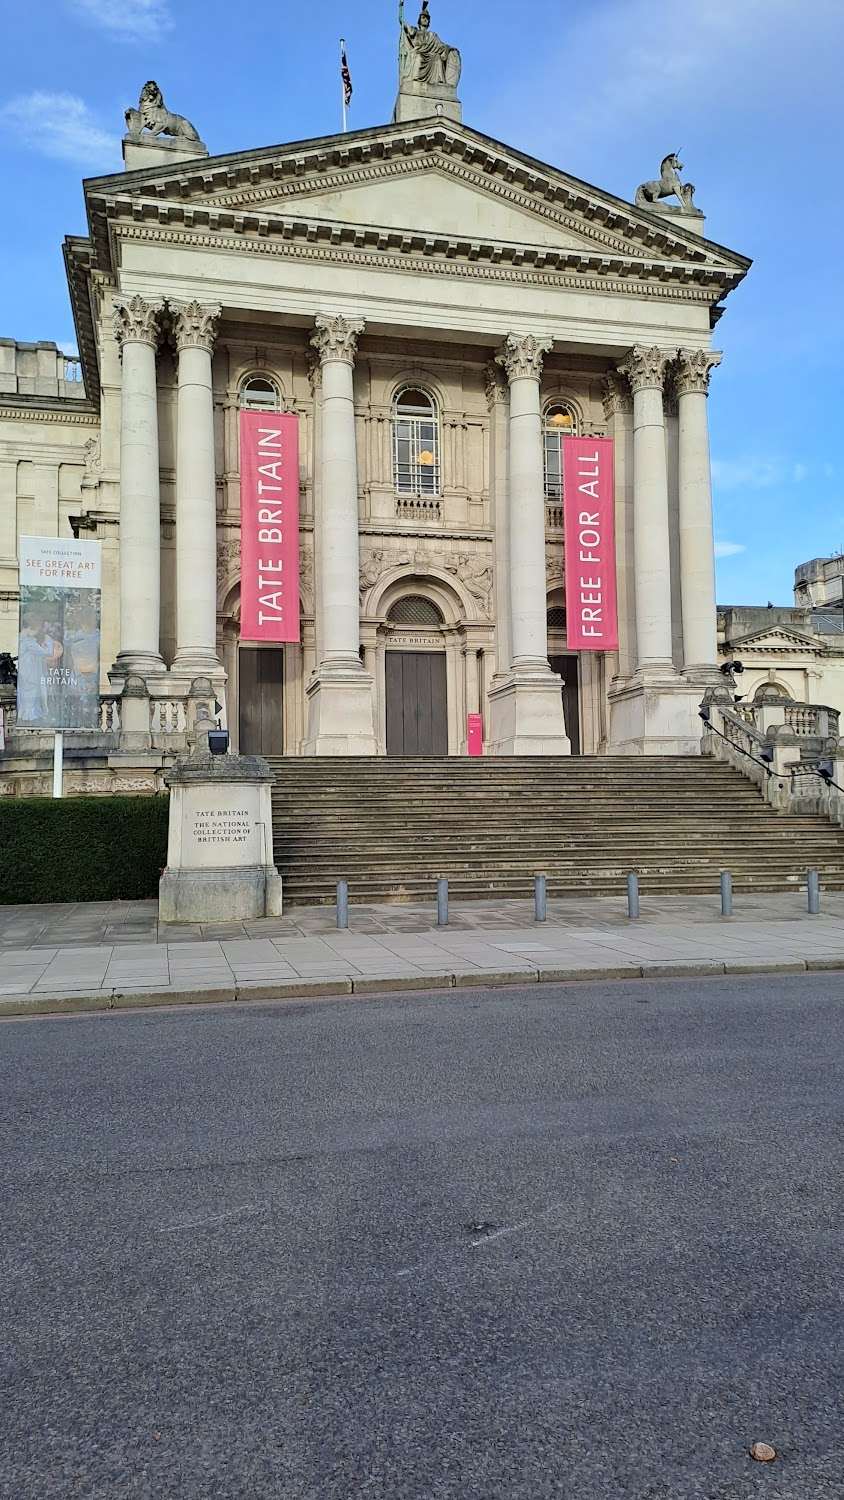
point(346, 75)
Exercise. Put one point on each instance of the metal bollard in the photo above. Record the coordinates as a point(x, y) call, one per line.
point(541, 898)
point(342, 903)
point(632, 897)
point(442, 903)
point(726, 894)
point(814, 889)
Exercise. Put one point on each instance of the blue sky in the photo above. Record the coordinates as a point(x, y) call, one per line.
point(749, 89)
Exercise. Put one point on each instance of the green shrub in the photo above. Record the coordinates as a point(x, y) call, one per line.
point(82, 848)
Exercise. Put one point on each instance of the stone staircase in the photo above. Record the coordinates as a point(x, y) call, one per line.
point(391, 827)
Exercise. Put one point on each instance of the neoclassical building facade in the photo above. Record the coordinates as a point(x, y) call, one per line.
point(440, 311)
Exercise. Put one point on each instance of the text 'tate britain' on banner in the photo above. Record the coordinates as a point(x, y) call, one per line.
point(589, 517)
point(269, 526)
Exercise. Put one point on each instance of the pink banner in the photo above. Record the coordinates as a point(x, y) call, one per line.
point(475, 734)
point(589, 505)
point(269, 526)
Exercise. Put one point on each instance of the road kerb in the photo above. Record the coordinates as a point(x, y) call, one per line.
point(572, 976)
point(362, 985)
point(293, 989)
point(820, 965)
point(485, 979)
point(760, 966)
point(70, 1003)
point(148, 999)
point(675, 969)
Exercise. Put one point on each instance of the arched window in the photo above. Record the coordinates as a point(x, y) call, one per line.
point(560, 422)
point(416, 444)
point(414, 609)
point(259, 394)
point(557, 617)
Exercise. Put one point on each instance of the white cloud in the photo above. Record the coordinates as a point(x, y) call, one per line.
point(62, 126)
point(728, 549)
point(129, 20)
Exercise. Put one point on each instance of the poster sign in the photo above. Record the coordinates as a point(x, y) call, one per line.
point(59, 640)
point(475, 734)
point(269, 526)
point(589, 517)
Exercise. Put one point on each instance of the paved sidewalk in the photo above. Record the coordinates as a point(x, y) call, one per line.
point(105, 956)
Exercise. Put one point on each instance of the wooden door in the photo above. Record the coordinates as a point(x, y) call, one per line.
point(417, 710)
point(261, 699)
point(566, 666)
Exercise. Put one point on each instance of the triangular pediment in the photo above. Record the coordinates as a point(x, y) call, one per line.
point(445, 187)
point(778, 639)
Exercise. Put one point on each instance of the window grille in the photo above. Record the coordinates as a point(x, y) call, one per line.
point(416, 444)
point(560, 422)
point(414, 610)
point(557, 617)
point(259, 394)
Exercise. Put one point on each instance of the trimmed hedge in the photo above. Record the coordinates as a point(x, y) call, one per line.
point(82, 848)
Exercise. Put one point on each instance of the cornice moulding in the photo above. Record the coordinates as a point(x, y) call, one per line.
point(677, 288)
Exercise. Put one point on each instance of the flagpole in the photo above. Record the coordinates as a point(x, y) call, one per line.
point(343, 81)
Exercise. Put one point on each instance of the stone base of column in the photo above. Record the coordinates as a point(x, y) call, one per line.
point(340, 712)
point(192, 664)
point(526, 714)
point(136, 664)
point(654, 714)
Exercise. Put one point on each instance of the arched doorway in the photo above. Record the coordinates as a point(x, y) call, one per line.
point(567, 665)
point(416, 691)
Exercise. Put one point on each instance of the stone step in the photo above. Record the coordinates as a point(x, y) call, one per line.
point(392, 827)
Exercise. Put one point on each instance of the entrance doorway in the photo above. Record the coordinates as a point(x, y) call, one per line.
point(261, 699)
point(417, 711)
point(566, 667)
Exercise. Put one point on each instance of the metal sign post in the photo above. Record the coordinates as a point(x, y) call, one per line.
point(58, 763)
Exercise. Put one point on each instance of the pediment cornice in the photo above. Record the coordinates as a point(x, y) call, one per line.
point(264, 182)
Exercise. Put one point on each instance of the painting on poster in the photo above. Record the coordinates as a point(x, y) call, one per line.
point(269, 526)
point(59, 634)
point(589, 522)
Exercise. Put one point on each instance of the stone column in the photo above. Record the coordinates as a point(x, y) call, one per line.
point(697, 544)
point(194, 330)
point(527, 708)
point(340, 695)
point(645, 369)
point(137, 330)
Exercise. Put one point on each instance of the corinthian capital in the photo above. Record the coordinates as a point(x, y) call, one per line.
point(692, 370)
point(337, 338)
point(137, 321)
point(522, 356)
point(617, 396)
point(645, 368)
point(195, 325)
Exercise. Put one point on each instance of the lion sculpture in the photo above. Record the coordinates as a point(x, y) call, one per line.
point(152, 115)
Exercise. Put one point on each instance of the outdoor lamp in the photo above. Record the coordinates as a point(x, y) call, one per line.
point(766, 754)
point(703, 713)
point(825, 770)
point(218, 741)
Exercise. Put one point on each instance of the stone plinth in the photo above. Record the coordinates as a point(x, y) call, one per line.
point(421, 101)
point(220, 844)
point(145, 151)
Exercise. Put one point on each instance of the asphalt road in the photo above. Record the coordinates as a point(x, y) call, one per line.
point(578, 1242)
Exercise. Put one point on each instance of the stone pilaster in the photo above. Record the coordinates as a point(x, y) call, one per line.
point(341, 718)
point(137, 329)
point(697, 545)
point(526, 709)
point(194, 331)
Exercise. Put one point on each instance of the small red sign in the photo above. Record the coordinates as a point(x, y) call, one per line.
point(269, 526)
point(475, 733)
point(589, 514)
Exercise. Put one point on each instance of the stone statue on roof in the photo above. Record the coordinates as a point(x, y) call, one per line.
point(424, 57)
point(429, 71)
point(153, 115)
